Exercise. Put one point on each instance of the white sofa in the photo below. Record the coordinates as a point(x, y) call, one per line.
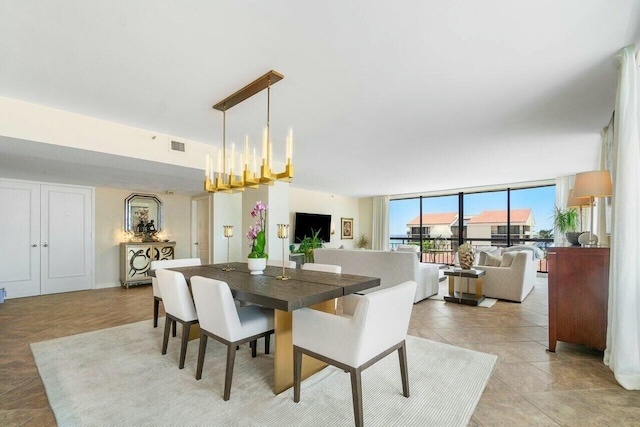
point(392, 268)
point(512, 283)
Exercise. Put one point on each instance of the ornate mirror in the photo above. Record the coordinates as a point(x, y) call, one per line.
point(142, 214)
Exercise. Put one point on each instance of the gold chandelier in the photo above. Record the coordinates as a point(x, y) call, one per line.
point(247, 176)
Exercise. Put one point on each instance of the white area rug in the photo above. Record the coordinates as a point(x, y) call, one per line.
point(486, 303)
point(117, 377)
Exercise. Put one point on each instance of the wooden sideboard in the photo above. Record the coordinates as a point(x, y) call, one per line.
point(578, 295)
point(136, 257)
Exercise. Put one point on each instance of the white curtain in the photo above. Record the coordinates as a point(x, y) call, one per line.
point(380, 237)
point(623, 332)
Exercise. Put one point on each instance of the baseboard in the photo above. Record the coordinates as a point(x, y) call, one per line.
point(106, 285)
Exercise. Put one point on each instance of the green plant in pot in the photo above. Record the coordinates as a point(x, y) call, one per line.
point(308, 244)
point(566, 221)
point(363, 241)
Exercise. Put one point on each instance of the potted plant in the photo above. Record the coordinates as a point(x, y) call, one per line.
point(566, 221)
point(308, 244)
point(257, 259)
point(363, 241)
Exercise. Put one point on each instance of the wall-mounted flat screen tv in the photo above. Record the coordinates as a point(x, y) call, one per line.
point(306, 222)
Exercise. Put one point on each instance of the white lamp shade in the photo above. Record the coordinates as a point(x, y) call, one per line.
point(592, 184)
point(228, 230)
point(576, 202)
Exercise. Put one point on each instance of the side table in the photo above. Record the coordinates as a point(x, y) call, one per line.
point(465, 297)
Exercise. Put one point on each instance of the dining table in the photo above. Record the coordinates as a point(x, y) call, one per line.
point(304, 288)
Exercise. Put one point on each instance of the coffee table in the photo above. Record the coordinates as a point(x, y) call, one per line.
point(464, 297)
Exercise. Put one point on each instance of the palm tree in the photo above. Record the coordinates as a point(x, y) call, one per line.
point(546, 234)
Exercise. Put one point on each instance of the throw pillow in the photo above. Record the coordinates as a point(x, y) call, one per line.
point(507, 259)
point(492, 261)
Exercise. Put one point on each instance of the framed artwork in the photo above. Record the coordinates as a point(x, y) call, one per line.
point(346, 225)
point(139, 215)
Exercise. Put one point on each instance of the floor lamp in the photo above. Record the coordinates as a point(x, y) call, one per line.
point(228, 233)
point(283, 234)
point(592, 184)
point(577, 202)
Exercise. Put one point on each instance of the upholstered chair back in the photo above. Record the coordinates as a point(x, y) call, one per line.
point(170, 263)
point(278, 263)
point(327, 268)
point(217, 310)
point(384, 318)
point(175, 295)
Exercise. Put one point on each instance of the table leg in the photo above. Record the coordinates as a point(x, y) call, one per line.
point(479, 287)
point(452, 285)
point(283, 357)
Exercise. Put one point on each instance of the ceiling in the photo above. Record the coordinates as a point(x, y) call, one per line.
point(384, 97)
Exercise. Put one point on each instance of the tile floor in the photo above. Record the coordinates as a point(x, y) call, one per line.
point(529, 387)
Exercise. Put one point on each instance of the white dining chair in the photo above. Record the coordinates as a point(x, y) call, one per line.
point(178, 306)
point(221, 320)
point(157, 296)
point(327, 268)
point(377, 328)
point(278, 263)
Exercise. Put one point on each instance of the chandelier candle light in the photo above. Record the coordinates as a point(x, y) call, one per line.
point(228, 233)
point(248, 177)
point(283, 233)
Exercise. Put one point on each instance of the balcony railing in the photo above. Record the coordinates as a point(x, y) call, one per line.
point(442, 251)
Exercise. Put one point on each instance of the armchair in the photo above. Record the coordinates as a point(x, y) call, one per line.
point(377, 328)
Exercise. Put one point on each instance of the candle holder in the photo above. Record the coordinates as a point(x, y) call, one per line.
point(283, 233)
point(228, 233)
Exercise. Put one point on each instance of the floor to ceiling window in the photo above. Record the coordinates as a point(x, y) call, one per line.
point(502, 217)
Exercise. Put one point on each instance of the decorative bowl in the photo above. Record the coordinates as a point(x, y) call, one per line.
point(572, 237)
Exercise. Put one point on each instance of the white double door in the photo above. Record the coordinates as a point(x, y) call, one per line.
point(45, 238)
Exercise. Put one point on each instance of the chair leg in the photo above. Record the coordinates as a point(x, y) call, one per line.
point(356, 390)
point(201, 351)
point(254, 348)
point(402, 355)
point(156, 308)
point(228, 377)
point(165, 339)
point(175, 328)
point(297, 374)
point(267, 340)
point(186, 327)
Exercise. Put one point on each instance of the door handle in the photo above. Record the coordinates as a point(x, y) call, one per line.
point(195, 243)
point(35, 245)
point(46, 245)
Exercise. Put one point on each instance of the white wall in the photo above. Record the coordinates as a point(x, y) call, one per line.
point(109, 226)
point(323, 203)
point(227, 210)
point(366, 218)
point(32, 122)
point(277, 197)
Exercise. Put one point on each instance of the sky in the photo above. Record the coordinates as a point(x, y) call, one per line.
point(541, 200)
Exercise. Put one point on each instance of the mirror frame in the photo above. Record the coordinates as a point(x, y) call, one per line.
point(131, 228)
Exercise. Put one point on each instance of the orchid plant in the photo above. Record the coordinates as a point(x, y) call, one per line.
point(256, 234)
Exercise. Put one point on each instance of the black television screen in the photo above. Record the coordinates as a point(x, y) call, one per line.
point(305, 222)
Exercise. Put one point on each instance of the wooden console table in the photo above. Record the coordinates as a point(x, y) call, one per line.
point(578, 295)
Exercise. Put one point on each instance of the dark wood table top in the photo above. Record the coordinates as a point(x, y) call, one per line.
point(474, 273)
point(303, 289)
